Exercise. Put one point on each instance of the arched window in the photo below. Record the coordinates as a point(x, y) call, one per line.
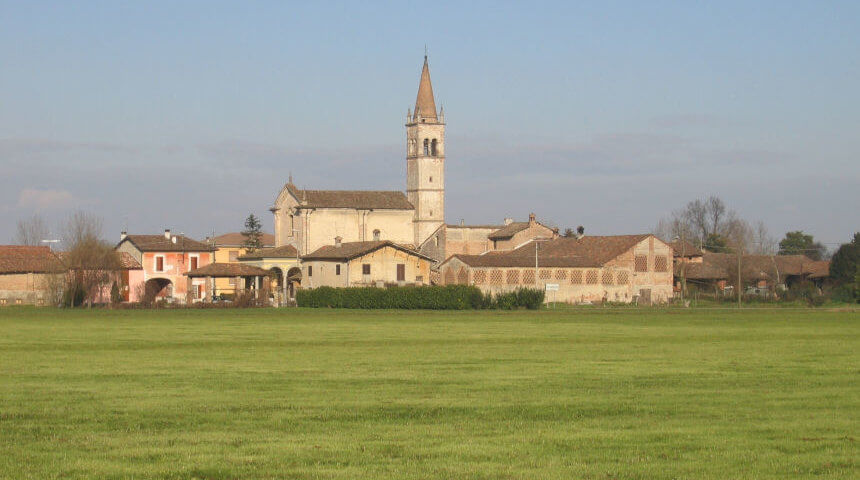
point(376, 235)
point(433, 148)
point(426, 147)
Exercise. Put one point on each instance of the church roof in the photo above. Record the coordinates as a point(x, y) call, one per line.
point(363, 199)
point(425, 105)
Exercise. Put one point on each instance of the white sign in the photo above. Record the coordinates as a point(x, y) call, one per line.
point(551, 287)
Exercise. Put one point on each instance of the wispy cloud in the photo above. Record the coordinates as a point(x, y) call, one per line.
point(46, 199)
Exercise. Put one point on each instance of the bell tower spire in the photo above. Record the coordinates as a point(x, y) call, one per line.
point(425, 160)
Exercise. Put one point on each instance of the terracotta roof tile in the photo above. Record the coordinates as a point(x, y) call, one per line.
point(158, 243)
point(685, 248)
point(588, 251)
point(128, 262)
point(284, 251)
point(236, 239)
point(28, 259)
point(364, 199)
point(350, 250)
point(227, 270)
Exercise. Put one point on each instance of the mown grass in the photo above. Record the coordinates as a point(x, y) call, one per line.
point(239, 394)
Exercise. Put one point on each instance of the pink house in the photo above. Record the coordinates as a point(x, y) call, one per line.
point(164, 260)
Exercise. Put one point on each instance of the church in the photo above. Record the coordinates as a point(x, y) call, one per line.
point(310, 220)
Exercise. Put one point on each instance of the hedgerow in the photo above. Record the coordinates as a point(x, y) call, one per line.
point(448, 297)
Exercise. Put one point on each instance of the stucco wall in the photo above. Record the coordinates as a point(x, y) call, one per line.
point(25, 288)
point(383, 267)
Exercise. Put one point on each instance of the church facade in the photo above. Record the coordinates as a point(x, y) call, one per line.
point(310, 220)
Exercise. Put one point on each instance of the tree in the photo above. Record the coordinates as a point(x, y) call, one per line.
point(253, 233)
point(844, 264)
point(799, 243)
point(568, 232)
point(31, 231)
point(716, 243)
point(91, 261)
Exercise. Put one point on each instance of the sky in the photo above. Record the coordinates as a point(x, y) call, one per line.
point(610, 115)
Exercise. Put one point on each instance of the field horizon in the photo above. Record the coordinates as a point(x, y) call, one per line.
point(297, 393)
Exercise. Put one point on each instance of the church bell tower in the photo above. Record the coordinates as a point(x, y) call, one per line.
point(425, 160)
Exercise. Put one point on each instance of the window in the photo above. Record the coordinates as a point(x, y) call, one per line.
point(496, 277)
point(426, 147)
point(365, 269)
point(640, 263)
point(401, 272)
point(528, 276)
point(436, 240)
point(159, 263)
point(623, 278)
point(192, 262)
point(576, 277)
point(545, 274)
point(513, 277)
point(431, 179)
point(591, 277)
point(660, 263)
point(234, 255)
point(606, 279)
point(433, 148)
point(376, 235)
point(310, 270)
point(480, 277)
point(337, 269)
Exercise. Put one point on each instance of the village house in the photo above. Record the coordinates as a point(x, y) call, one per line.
point(585, 269)
point(285, 270)
point(29, 275)
point(373, 263)
point(228, 248)
point(164, 260)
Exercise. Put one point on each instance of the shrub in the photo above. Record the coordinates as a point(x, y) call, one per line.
point(448, 297)
point(531, 298)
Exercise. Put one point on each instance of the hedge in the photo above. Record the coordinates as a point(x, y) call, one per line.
point(448, 297)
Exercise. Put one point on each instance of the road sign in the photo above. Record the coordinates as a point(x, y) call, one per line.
point(551, 287)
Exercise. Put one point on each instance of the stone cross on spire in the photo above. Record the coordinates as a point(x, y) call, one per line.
point(425, 105)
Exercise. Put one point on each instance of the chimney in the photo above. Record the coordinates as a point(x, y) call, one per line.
point(462, 222)
point(337, 241)
point(167, 233)
point(122, 235)
point(532, 220)
point(509, 221)
point(173, 239)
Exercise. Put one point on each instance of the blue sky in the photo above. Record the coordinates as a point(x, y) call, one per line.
point(190, 115)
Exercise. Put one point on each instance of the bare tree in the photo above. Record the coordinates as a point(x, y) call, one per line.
point(716, 210)
point(764, 242)
point(92, 262)
point(31, 231)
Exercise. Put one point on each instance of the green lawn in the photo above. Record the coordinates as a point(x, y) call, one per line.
point(224, 394)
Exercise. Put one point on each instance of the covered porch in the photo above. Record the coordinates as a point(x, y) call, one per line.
point(248, 279)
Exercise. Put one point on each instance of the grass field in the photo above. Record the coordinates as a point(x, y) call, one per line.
point(224, 394)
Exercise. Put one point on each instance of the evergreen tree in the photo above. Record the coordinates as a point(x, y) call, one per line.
point(253, 233)
point(844, 264)
point(799, 243)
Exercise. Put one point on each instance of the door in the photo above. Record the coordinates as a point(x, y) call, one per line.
point(401, 272)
